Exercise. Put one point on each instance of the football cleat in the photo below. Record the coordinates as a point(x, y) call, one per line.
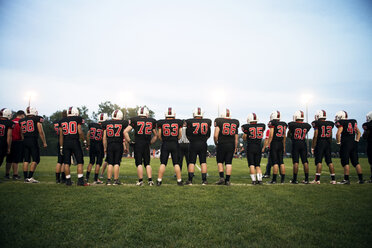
point(58, 181)
point(266, 176)
point(158, 183)
point(31, 111)
point(344, 182)
point(170, 113)
point(7, 177)
point(204, 183)
point(298, 116)
point(180, 183)
point(6, 113)
point(227, 183)
point(252, 117)
point(117, 182)
point(275, 115)
point(26, 180)
point(259, 183)
point(369, 116)
point(82, 183)
point(320, 114)
point(197, 112)
point(188, 182)
point(226, 114)
point(98, 182)
point(143, 111)
point(139, 183)
point(68, 182)
point(32, 180)
point(72, 111)
point(305, 182)
point(117, 115)
point(271, 182)
point(16, 177)
point(315, 182)
point(333, 182)
point(102, 117)
point(221, 181)
point(108, 182)
point(293, 181)
point(341, 115)
point(360, 181)
point(151, 183)
point(370, 181)
point(254, 182)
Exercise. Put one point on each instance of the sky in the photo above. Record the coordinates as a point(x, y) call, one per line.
point(248, 56)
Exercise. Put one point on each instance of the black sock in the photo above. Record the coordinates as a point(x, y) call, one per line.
point(87, 175)
point(227, 178)
point(30, 174)
point(317, 177)
point(360, 176)
point(306, 176)
point(346, 177)
point(333, 177)
point(150, 179)
point(96, 177)
point(81, 180)
point(140, 179)
point(283, 178)
point(191, 175)
point(7, 174)
point(63, 176)
point(221, 174)
point(25, 174)
point(58, 175)
point(294, 177)
point(274, 177)
point(204, 176)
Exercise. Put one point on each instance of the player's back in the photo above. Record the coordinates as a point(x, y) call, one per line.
point(29, 126)
point(70, 128)
point(324, 129)
point(348, 131)
point(143, 127)
point(198, 129)
point(169, 129)
point(115, 130)
point(228, 129)
point(280, 128)
point(95, 132)
point(5, 124)
point(298, 130)
point(254, 132)
point(367, 126)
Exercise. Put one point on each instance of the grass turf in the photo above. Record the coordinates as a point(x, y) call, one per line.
point(50, 215)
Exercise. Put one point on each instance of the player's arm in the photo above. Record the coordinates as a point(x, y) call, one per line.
point(125, 146)
point(88, 138)
point(126, 133)
point(338, 135)
point(159, 134)
point(289, 134)
point(244, 137)
point(154, 137)
point(81, 134)
point(358, 134)
point(41, 133)
point(271, 135)
point(315, 139)
point(104, 139)
point(9, 139)
point(236, 142)
point(215, 135)
point(180, 133)
point(284, 139)
point(265, 144)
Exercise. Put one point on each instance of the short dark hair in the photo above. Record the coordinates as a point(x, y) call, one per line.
point(20, 112)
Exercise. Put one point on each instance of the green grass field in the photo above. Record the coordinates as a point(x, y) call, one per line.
point(51, 215)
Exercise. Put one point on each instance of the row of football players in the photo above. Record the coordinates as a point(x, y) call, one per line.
point(107, 137)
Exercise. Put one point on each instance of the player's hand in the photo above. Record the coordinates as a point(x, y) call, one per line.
point(263, 149)
point(61, 150)
point(87, 148)
point(312, 151)
point(132, 143)
point(126, 150)
point(8, 151)
point(45, 145)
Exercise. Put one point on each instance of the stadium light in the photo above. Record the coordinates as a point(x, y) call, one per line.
point(29, 95)
point(219, 97)
point(306, 98)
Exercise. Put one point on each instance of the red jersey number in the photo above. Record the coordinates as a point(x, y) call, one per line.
point(69, 127)
point(281, 131)
point(147, 126)
point(111, 132)
point(170, 130)
point(203, 127)
point(229, 129)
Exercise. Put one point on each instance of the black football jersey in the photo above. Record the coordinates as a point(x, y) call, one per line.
point(169, 129)
point(298, 130)
point(5, 125)
point(29, 126)
point(368, 128)
point(69, 127)
point(254, 132)
point(198, 129)
point(228, 129)
point(95, 132)
point(280, 128)
point(348, 131)
point(56, 127)
point(143, 127)
point(115, 130)
point(324, 129)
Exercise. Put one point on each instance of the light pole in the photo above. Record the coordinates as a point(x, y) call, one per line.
point(306, 99)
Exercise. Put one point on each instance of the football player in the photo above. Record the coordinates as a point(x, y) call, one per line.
point(226, 141)
point(70, 133)
point(347, 137)
point(297, 130)
point(277, 145)
point(198, 132)
point(114, 147)
point(321, 145)
point(367, 134)
point(31, 127)
point(266, 149)
point(95, 146)
point(253, 134)
point(60, 170)
point(6, 128)
point(16, 151)
point(144, 127)
point(169, 132)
